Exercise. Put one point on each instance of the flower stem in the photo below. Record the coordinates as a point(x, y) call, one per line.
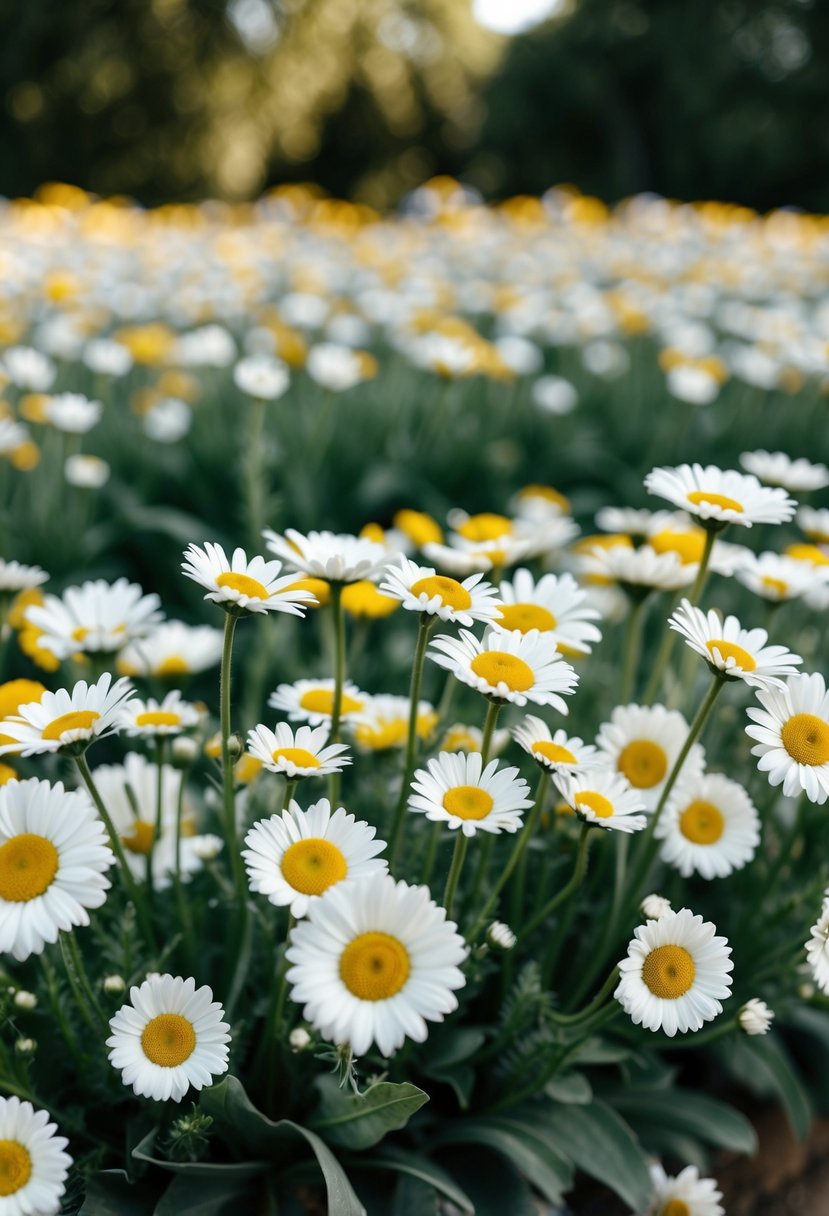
point(566, 891)
point(493, 710)
point(633, 649)
point(431, 853)
point(159, 789)
point(459, 854)
point(424, 628)
point(182, 903)
point(228, 795)
point(338, 618)
point(81, 990)
point(289, 791)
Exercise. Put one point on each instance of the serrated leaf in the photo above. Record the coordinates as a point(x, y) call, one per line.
point(359, 1121)
point(692, 1113)
point(570, 1088)
point(602, 1145)
point(521, 1144)
point(418, 1166)
point(767, 1059)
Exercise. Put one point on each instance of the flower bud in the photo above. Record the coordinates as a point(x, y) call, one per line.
point(653, 907)
point(183, 751)
point(25, 1047)
point(25, 1000)
point(113, 985)
point(755, 1017)
point(299, 1039)
point(500, 936)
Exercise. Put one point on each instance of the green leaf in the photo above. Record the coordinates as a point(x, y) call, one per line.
point(203, 1197)
point(110, 1193)
point(414, 1198)
point(452, 1046)
point(599, 1051)
point(765, 1058)
point(520, 1143)
point(494, 1186)
point(570, 1088)
point(424, 1168)
point(601, 1144)
point(216, 1170)
point(360, 1120)
point(690, 1112)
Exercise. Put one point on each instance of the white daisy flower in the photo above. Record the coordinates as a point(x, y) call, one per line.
point(710, 827)
point(557, 752)
point(675, 974)
point(539, 504)
point(692, 383)
point(29, 369)
point(67, 720)
point(312, 701)
point(12, 435)
point(72, 412)
point(685, 1195)
point(107, 357)
point(86, 472)
point(244, 585)
point(755, 1017)
point(33, 1165)
point(642, 743)
point(632, 521)
point(295, 857)
point(817, 949)
point(168, 420)
point(792, 733)
point(16, 577)
point(159, 719)
point(556, 604)
point(455, 789)
point(173, 649)
point(635, 569)
point(554, 395)
point(730, 650)
point(385, 722)
point(168, 1038)
point(335, 557)
point(420, 589)
point(299, 753)
point(262, 377)
point(374, 962)
point(336, 368)
point(777, 577)
point(603, 799)
point(814, 523)
point(53, 862)
point(719, 498)
point(475, 559)
point(516, 667)
point(95, 618)
point(778, 469)
point(654, 906)
point(676, 532)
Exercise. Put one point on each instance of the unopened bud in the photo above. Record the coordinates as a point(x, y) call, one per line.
point(299, 1039)
point(500, 936)
point(207, 848)
point(25, 1000)
point(113, 985)
point(755, 1017)
point(653, 907)
point(183, 751)
point(25, 1047)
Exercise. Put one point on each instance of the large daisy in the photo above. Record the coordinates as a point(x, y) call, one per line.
point(516, 667)
point(240, 584)
point(710, 827)
point(792, 733)
point(171, 651)
point(685, 1195)
point(313, 701)
point(420, 589)
point(642, 743)
point(718, 498)
point(168, 1038)
point(555, 604)
point(374, 962)
point(299, 753)
point(68, 720)
point(95, 618)
point(53, 862)
point(15, 577)
point(33, 1165)
point(335, 557)
point(730, 650)
point(675, 974)
point(456, 789)
point(603, 799)
point(558, 752)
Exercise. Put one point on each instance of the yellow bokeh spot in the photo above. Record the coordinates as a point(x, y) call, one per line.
point(374, 966)
point(173, 665)
point(140, 838)
point(688, 546)
point(486, 526)
point(548, 494)
point(364, 599)
point(419, 527)
point(808, 553)
point(25, 457)
point(313, 865)
point(317, 587)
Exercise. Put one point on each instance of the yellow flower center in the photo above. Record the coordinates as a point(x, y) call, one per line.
point(806, 739)
point(525, 617)
point(168, 1040)
point(499, 667)
point(452, 593)
point(7, 773)
point(382, 734)
point(363, 598)
point(15, 1167)
point(244, 584)
point(644, 763)
point(140, 839)
point(15, 693)
point(296, 755)
point(688, 546)
point(597, 803)
point(468, 802)
point(716, 500)
point(28, 863)
point(79, 634)
point(486, 526)
point(312, 866)
point(173, 665)
point(76, 719)
point(730, 650)
point(778, 585)
point(321, 701)
point(676, 1207)
point(808, 553)
point(554, 752)
point(547, 493)
point(374, 966)
point(419, 527)
point(158, 717)
point(668, 972)
point(702, 822)
point(317, 586)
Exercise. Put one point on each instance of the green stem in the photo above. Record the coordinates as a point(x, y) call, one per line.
point(582, 1015)
point(608, 935)
point(289, 791)
point(182, 902)
point(228, 793)
point(159, 790)
point(425, 625)
point(81, 990)
point(669, 640)
point(274, 1025)
point(458, 856)
point(566, 891)
point(492, 711)
point(431, 854)
point(254, 482)
point(58, 1010)
point(338, 618)
point(633, 649)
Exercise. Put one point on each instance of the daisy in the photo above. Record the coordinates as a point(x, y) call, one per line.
point(86, 472)
point(300, 753)
point(340, 558)
point(638, 570)
point(643, 743)
point(385, 722)
point(72, 412)
point(719, 498)
point(778, 469)
point(557, 752)
point(365, 600)
point(374, 962)
point(603, 799)
point(33, 1165)
point(455, 789)
point(675, 532)
point(516, 667)
point(685, 1195)
point(68, 720)
point(474, 559)
point(462, 738)
point(710, 827)
point(731, 651)
point(626, 520)
point(792, 733)
point(420, 589)
point(29, 369)
point(15, 577)
point(262, 377)
point(538, 504)
point(296, 856)
point(53, 862)
point(817, 949)
point(555, 604)
point(95, 618)
point(242, 585)
point(173, 649)
point(168, 1038)
point(777, 577)
point(154, 719)
point(12, 436)
point(675, 974)
point(815, 524)
point(312, 701)
point(417, 527)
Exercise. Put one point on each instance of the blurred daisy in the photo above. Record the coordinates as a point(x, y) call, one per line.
point(242, 584)
point(168, 1038)
point(637, 570)
point(29, 369)
point(68, 720)
point(53, 862)
point(300, 753)
point(13, 436)
point(86, 472)
point(72, 412)
point(603, 799)
point(95, 618)
point(335, 557)
point(13, 694)
point(675, 532)
point(107, 358)
point(167, 420)
point(776, 577)
point(719, 498)
point(419, 528)
point(817, 948)
point(557, 752)
point(159, 719)
point(374, 962)
point(676, 974)
point(515, 667)
point(555, 604)
point(364, 600)
point(554, 395)
point(730, 650)
point(755, 1017)
point(262, 377)
point(643, 743)
point(462, 738)
point(313, 701)
point(420, 589)
point(173, 649)
point(15, 577)
point(778, 469)
point(294, 857)
point(626, 520)
point(692, 383)
point(710, 827)
point(385, 722)
point(338, 368)
point(33, 1165)
point(685, 1195)
point(792, 733)
point(815, 524)
point(455, 789)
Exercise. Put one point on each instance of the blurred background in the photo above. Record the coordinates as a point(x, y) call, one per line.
point(183, 99)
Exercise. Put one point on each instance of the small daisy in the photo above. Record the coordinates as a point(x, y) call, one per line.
point(95, 618)
point(53, 862)
point(420, 589)
point(685, 1195)
point(675, 974)
point(675, 532)
point(385, 722)
point(72, 412)
point(300, 753)
point(339, 558)
point(643, 743)
point(755, 1017)
point(730, 650)
point(476, 559)
point(792, 733)
point(262, 377)
point(296, 856)
point(242, 585)
point(557, 752)
point(462, 738)
point(710, 827)
point(555, 604)
point(312, 701)
point(168, 1038)
point(15, 577)
point(718, 498)
point(638, 570)
point(777, 577)
point(626, 520)
point(455, 789)
point(778, 469)
point(603, 799)
point(374, 962)
point(515, 667)
point(653, 906)
point(68, 720)
point(817, 949)
point(172, 650)
point(155, 719)
point(33, 1165)
point(814, 523)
